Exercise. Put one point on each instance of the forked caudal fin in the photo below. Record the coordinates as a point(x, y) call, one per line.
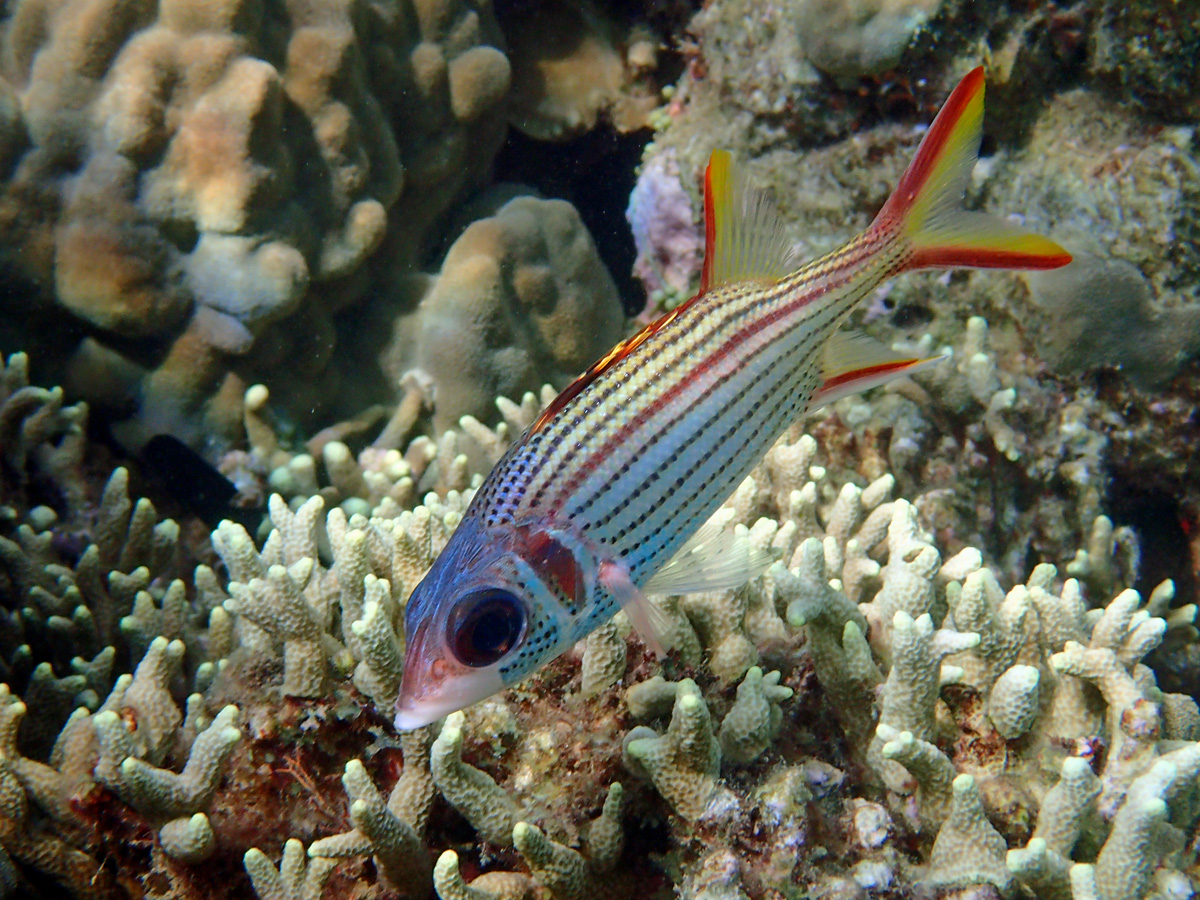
point(926, 207)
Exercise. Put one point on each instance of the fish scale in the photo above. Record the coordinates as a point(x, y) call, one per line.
point(606, 453)
point(609, 491)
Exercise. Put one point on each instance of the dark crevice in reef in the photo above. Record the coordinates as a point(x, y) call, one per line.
point(595, 172)
point(1158, 519)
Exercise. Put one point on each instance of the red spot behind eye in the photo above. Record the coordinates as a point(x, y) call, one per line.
point(553, 562)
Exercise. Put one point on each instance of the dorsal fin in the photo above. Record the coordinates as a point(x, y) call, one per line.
point(744, 241)
point(607, 361)
point(744, 238)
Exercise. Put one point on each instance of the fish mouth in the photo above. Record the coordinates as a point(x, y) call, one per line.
point(434, 685)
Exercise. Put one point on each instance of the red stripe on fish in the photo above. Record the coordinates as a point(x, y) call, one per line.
point(554, 563)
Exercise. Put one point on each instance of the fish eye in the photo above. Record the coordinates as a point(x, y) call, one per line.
point(484, 626)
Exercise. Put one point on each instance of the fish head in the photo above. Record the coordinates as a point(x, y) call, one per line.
point(480, 620)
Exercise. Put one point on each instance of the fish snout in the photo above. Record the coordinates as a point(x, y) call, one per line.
point(434, 684)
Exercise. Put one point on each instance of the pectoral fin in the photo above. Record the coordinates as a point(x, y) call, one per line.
point(715, 559)
point(654, 626)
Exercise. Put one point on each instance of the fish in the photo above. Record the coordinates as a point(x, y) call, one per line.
point(609, 495)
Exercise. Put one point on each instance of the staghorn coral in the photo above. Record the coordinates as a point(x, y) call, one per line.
point(43, 441)
point(754, 719)
point(448, 882)
point(379, 829)
point(968, 850)
point(475, 795)
point(295, 879)
point(683, 764)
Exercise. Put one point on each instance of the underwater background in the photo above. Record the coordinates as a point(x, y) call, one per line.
point(281, 280)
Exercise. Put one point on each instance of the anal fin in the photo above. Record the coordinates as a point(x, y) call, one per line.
point(854, 362)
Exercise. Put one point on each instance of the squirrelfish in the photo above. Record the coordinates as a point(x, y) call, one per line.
point(603, 499)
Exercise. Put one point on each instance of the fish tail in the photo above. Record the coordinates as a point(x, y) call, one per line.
point(926, 213)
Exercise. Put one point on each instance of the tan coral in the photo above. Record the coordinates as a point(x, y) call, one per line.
point(561, 93)
point(225, 172)
point(542, 304)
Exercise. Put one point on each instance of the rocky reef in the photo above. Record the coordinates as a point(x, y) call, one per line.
point(197, 194)
point(1078, 144)
point(272, 230)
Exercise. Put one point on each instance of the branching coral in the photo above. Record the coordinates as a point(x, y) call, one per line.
point(684, 763)
point(910, 701)
point(42, 439)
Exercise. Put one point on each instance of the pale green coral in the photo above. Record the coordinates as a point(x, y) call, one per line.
point(603, 660)
point(561, 870)
point(395, 845)
point(748, 727)
point(297, 878)
point(449, 884)
point(968, 850)
point(684, 763)
point(1013, 700)
point(482, 802)
point(766, 780)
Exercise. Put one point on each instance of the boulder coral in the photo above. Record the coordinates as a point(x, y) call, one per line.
point(185, 175)
point(522, 298)
point(574, 62)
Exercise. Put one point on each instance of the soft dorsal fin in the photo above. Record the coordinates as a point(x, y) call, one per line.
point(854, 362)
point(744, 238)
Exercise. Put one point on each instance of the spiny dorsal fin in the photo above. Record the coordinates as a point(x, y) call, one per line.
point(744, 239)
point(854, 362)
